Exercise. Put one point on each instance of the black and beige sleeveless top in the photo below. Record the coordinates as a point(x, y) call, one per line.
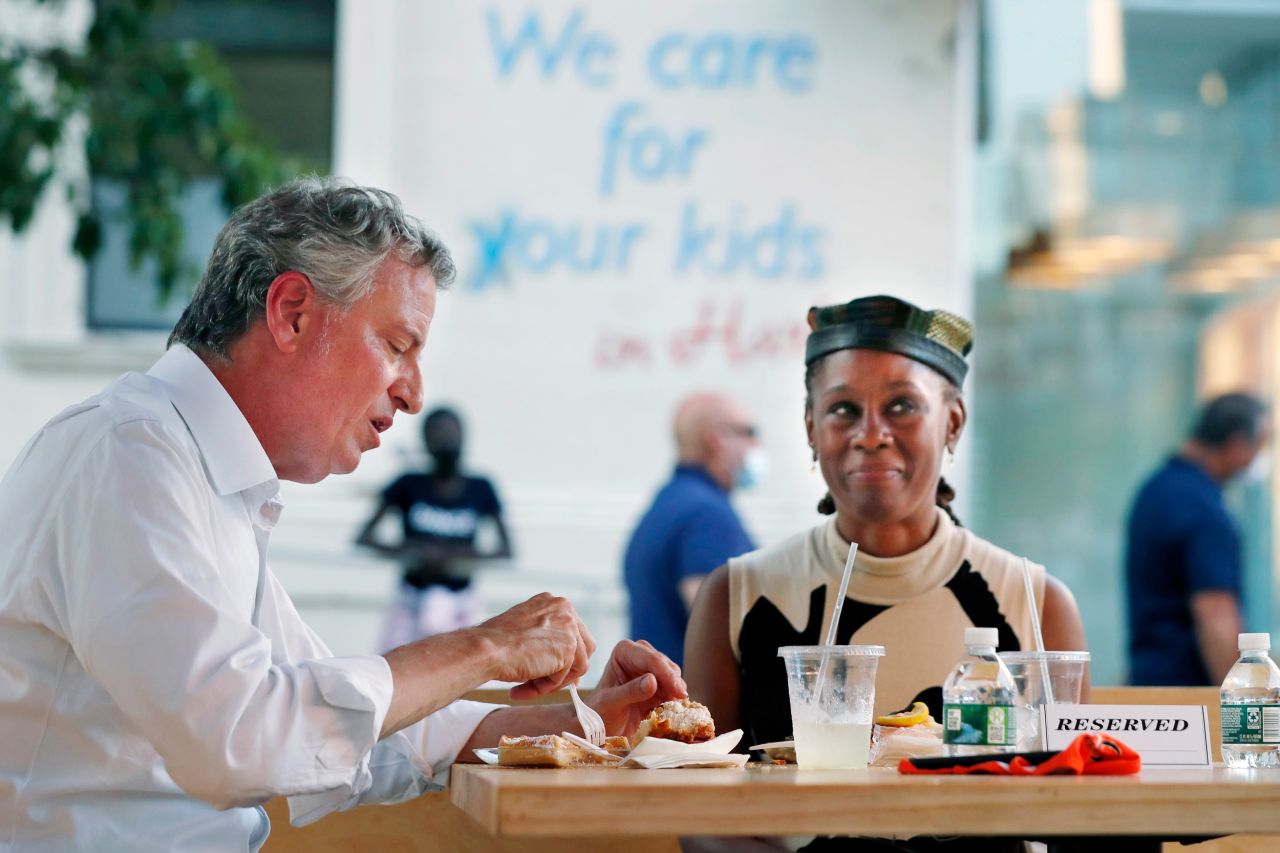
point(916, 606)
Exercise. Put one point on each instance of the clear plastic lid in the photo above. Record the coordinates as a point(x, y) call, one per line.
point(831, 651)
point(1254, 641)
point(981, 637)
point(1032, 657)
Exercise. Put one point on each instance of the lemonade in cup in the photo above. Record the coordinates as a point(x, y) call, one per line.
point(832, 691)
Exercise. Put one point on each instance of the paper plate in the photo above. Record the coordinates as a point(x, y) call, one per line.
point(778, 750)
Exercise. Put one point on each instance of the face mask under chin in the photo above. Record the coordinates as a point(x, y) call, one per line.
point(446, 461)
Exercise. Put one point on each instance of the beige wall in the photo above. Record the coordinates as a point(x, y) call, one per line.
point(877, 154)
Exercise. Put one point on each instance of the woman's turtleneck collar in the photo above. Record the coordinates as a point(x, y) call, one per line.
point(887, 580)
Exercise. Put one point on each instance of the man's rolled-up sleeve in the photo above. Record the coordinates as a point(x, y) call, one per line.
point(406, 764)
point(361, 686)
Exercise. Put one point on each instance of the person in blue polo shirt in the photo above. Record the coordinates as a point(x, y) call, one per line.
point(1183, 557)
point(691, 528)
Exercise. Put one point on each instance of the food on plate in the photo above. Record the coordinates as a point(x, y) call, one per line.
point(916, 714)
point(892, 742)
point(680, 719)
point(556, 751)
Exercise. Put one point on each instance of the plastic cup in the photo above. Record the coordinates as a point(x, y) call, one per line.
point(833, 692)
point(1066, 677)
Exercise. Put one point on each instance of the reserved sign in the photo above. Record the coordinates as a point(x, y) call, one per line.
point(1164, 735)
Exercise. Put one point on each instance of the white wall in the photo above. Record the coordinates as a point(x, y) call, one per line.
point(854, 159)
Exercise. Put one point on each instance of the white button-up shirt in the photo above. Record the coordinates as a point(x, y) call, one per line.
point(156, 683)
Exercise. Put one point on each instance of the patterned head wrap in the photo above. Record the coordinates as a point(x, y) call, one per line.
point(939, 339)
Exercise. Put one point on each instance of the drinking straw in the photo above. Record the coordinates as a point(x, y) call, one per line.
point(844, 589)
point(1035, 627)
point(835, 620)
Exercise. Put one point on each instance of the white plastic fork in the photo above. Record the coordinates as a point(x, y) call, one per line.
point(604, 755)
point(591, 722)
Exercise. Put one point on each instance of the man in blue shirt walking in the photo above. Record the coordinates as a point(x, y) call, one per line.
point(1183, 558)
point(691, 528)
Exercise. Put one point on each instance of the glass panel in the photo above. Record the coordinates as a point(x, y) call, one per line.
point(1120, 222)
point(124, 297)
point(280, 55)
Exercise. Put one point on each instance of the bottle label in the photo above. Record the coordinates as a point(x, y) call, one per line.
point(980, 725)
point(1251, 724)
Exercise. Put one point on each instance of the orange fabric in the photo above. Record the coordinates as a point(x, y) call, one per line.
point(1088, 755)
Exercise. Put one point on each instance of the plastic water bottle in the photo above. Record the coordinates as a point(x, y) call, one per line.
point(1251, 706)
point(978, 698)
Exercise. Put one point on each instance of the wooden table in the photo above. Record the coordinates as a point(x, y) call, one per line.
point(514, 802)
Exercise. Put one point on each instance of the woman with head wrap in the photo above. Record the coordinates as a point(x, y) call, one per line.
point(882, 410)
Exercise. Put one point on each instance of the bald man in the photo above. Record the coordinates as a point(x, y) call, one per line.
point(691, 528)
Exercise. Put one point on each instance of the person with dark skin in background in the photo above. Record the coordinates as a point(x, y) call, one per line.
point(883, 408)
point(442, 511)
point(1183, 559)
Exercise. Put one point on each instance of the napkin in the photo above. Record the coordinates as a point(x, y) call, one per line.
point(654, 753)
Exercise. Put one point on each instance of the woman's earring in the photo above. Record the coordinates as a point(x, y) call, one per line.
point(813, 466)
point(951, 455)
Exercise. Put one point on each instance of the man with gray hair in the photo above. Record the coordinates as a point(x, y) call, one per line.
point(1183, 557)
point(157, 684)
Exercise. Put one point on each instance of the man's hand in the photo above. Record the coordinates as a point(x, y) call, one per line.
point(543, 645)
point(540, 644)
point(637, 678)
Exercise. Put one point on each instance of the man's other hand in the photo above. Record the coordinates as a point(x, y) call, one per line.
point(637, 678)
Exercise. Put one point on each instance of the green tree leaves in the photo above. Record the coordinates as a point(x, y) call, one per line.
point(158, 114)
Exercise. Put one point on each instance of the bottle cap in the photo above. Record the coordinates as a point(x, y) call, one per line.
point(1254, 641)
point(981, 637)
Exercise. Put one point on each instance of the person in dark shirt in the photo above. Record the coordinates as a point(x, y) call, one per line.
point(441, 511)
point(1183, 557)
point(690, 528)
